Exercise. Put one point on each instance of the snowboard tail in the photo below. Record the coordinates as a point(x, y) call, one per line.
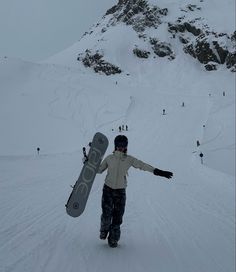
point(80, 193)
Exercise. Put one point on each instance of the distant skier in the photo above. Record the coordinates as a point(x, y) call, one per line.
point(164, 112)
point(119, 128)
point(38, 150)
point(114, 190)
point(126, 128)
point(201, 156)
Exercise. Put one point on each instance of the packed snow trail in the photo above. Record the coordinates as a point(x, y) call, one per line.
point(185, 225)
point(179, 225)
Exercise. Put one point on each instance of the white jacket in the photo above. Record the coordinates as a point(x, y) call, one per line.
point(117, 165)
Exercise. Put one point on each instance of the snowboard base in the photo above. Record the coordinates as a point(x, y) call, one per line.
point(80, 193)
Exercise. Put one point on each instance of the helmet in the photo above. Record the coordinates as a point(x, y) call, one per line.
point(121, 141)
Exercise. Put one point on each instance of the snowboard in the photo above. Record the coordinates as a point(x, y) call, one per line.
point(80, 193)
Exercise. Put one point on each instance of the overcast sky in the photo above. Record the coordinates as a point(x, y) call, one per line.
point(36, 29)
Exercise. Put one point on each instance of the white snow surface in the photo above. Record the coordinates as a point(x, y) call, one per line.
point(186, 224)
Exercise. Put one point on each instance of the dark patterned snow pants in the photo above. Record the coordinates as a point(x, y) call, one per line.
point(113, 208)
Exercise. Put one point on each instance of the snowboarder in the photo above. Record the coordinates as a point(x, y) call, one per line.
point(114, 190)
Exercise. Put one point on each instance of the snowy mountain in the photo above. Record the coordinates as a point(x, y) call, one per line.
point(154, 31)
point(135, 63)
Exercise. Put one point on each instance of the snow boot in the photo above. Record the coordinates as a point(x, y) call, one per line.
point(112, 243)
point(103, 235)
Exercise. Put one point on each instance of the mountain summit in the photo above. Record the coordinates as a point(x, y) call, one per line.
point(141, 30)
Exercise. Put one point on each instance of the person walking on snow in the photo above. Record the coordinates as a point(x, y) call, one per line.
point(114, 190)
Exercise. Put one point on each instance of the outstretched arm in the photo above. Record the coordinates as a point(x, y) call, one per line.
point(141, 165)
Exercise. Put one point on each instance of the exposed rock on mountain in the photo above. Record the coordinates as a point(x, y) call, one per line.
point(96, 62)
point(141, 53)
point(162, 49)
point(204, 45)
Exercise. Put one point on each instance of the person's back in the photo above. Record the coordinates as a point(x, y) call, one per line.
point(114, 191)
point(117, 165)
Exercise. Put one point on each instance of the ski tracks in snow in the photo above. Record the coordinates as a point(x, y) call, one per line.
point(184, 225)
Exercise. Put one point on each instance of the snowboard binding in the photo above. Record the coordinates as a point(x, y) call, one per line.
point(85, 158)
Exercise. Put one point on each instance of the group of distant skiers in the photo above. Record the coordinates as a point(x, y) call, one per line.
point(123, 128)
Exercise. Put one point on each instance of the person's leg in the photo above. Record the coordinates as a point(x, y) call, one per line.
point(107, 208)
point(117, 217)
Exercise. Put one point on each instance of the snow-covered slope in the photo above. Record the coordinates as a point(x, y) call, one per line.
point(186, 224)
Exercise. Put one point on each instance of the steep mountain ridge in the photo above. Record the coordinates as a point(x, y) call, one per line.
point(153, 32)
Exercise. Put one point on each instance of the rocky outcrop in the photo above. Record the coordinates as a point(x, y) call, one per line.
point(208, 47)
point(96, 62)
point(162, 49)
point(231, 61)
point(182, 27)
point(137, 13)
point(211, 66)
point(202, 51)
point(231, 57)
point(141, 53)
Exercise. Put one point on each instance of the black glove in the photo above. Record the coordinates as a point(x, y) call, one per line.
point(165, 174)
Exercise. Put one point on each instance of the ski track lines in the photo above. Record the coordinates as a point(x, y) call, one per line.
point(164, 220)
point(155, 236)
point(78, 108)
point(69, 246)
point(175, 230)
point(32, 220)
